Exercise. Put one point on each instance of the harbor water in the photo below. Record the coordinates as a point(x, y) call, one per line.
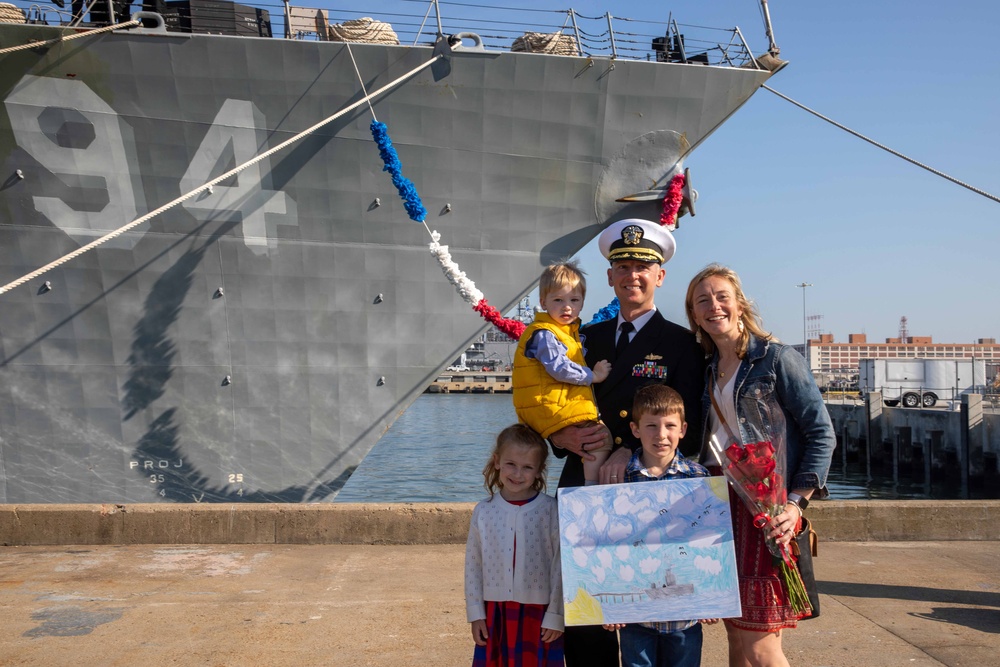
point(436, 450)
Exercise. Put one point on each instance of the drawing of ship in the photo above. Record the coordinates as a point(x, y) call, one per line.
point(669, 588)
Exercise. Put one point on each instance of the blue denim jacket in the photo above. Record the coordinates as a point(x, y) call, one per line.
point(775, 389)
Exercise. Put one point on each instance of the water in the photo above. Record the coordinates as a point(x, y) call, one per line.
point(436, 452)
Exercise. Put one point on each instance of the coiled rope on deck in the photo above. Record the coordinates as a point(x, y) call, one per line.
point(229, 174)
point(554, 43)
point(11, 13)
point(66, 38)
point(365, 29)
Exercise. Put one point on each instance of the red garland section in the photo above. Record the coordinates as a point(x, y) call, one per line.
point(672, 202)
point(513, 328)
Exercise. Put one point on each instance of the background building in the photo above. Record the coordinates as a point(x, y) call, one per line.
point(839, 361)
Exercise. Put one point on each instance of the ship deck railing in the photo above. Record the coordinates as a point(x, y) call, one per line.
point(417, 22)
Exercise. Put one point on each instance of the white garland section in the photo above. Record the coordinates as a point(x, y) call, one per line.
point(456, 276)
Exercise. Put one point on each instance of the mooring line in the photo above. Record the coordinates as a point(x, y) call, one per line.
point(63, 38)
point(229, 174)
point(885, 148)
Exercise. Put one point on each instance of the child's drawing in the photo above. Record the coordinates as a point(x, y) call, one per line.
point(657, 551)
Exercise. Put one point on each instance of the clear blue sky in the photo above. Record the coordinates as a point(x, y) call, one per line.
point(786, 198)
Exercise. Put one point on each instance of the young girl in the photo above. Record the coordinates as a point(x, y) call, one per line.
point(513, 580)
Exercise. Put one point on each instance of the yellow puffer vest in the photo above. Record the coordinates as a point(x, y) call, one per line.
point(542, 402)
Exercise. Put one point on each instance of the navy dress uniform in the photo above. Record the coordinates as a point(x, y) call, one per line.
point(660, 351)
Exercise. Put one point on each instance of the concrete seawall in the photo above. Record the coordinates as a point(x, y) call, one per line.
point(426, 523)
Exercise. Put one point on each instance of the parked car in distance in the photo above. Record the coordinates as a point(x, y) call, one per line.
point(459, 369)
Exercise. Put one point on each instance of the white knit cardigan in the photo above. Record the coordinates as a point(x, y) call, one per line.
point(490, 572)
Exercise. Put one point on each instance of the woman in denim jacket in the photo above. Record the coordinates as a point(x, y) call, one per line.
point(764, 391)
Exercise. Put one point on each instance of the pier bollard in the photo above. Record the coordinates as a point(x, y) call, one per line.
point(972, 427)
point(873, 410)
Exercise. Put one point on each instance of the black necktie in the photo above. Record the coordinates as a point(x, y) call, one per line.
point(625, 329)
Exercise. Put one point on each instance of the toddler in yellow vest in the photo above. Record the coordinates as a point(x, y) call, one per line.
point(552, 384)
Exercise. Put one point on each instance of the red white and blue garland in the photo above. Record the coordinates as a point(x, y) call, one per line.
point(465, 285)
point(415, 209)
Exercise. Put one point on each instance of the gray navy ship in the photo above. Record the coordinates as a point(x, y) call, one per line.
point(252, 342)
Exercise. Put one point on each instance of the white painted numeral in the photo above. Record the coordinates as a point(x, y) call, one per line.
point(235, 137)
point(83, 143)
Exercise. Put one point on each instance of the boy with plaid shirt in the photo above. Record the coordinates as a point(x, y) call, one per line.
point(658, 414)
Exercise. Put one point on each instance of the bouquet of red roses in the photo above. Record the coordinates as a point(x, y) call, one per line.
point(754, 472)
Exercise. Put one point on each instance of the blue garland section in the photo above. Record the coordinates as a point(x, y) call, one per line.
point(411, 199)
point(415, 208)
point(609, 311)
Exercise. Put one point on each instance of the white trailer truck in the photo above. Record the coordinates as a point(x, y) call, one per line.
point(921, 382)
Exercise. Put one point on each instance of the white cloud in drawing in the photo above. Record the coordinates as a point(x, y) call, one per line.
point(648, 515)
point(600, 519)
point(706, 564)
point(570, 502)
point(649, 565)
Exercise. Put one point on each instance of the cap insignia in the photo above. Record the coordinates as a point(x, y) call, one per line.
point(632, 235)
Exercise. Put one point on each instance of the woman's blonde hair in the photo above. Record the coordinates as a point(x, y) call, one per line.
point(521, 436)
point(750, 317)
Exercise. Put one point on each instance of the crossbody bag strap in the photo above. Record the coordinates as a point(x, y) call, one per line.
point(718, 412)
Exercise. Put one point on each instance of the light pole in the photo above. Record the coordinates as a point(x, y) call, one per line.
point(805, 338)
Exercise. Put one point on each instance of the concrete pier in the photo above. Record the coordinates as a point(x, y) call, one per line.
point(911, 583)
point(912, 604)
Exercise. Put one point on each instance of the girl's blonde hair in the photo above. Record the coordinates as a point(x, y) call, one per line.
point(750, 318)
point(516, 435)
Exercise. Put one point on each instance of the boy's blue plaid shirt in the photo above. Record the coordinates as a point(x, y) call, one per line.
point(679, 468)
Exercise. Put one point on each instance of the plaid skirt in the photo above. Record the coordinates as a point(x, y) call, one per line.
point(763, 597)
point(515, 638)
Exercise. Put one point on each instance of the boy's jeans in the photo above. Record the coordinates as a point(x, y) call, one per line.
point(644, 647)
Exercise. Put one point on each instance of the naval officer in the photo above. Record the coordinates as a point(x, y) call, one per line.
point(643, 347)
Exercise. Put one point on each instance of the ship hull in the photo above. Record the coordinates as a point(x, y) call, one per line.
point(253, 343)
